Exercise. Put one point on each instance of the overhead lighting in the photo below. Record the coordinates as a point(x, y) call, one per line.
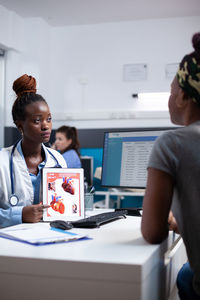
point(153, 96)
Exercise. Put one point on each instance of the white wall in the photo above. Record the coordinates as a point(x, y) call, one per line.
point(27, 42)
point(2, 85)
point(11, 39)
point(97, 53)
point(79, 69)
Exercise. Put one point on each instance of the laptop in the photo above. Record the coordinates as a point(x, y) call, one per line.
point(63, 190)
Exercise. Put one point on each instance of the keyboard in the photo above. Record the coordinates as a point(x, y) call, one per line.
point(100, 219)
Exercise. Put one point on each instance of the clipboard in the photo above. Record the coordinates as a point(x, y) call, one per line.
point(39, 234)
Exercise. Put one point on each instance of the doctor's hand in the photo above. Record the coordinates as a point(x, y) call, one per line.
point(33, 213)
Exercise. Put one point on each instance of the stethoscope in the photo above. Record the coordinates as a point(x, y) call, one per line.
point(14, 200)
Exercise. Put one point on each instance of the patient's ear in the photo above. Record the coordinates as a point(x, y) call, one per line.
point(181, 102)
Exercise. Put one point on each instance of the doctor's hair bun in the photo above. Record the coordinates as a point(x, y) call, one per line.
point(196, 42)
point(25, 89)
point(24, 84)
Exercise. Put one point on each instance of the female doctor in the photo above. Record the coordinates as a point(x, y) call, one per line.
point(21, 164)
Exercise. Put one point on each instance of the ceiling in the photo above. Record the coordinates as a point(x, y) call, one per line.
point(79, 12)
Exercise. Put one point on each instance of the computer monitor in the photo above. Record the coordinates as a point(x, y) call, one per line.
point(87, 165)
point(125, 157)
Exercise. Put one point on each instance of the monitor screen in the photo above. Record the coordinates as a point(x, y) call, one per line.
point(125, 157)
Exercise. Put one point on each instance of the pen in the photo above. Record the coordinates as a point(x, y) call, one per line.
point(92, 190)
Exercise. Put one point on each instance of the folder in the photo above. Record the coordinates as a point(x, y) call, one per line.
point(39, 234)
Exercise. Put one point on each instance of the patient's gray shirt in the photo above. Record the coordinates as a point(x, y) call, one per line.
point(177, 152)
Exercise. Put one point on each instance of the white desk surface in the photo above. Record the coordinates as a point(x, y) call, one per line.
point(119, 242)
point(119, 193)
point(115, 264)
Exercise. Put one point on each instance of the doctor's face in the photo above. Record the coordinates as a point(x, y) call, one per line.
point(38, 123)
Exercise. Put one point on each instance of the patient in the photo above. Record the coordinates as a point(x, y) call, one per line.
point(174, 174)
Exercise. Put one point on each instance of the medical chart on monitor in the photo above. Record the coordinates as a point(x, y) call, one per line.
point(126, 156)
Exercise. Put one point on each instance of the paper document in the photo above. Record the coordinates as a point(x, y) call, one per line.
point(38, 234)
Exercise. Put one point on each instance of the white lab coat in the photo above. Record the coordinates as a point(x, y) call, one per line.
point(22, 183)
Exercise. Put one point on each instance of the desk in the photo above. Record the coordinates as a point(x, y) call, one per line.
point(116, 264)
point(119, 193)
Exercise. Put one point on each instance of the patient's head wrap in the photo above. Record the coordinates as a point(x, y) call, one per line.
point(188, 74)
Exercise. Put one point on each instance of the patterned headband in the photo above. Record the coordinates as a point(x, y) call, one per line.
point(188, 77)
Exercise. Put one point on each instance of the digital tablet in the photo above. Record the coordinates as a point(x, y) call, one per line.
point(63, 190)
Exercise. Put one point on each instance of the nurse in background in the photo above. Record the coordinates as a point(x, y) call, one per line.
point(68, 145)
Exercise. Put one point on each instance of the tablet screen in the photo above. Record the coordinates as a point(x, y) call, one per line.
point(63, 190)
